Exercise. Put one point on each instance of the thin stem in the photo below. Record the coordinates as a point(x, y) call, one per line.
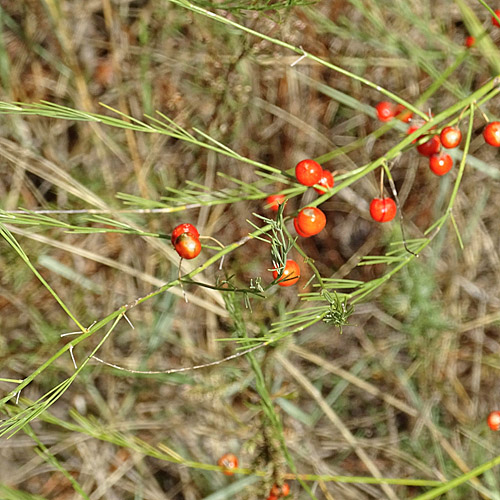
point(302, 52)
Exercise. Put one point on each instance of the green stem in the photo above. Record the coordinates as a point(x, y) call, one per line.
point(15, 245)
point(301, 52)
point(459, 480)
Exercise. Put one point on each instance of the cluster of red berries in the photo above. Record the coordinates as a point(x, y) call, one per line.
point(186, 241)
point(310, 173)
point(279, 491)
point(440, 162)
point(310, 220)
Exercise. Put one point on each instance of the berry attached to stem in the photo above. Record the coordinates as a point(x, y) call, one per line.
point(308, 172)
point(440, 163)
point(383, 209)
point(291, 274)
point(326, 182)
point(491, 134)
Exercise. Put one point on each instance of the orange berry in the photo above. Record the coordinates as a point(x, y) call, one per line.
point(311, 220)
point(274, 201)
point(228, 461)
point(291, 274)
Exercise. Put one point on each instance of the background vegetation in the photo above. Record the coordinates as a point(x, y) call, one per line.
point(403, 392)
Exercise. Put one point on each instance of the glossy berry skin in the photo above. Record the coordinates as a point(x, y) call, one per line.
point(494, 420)
point(494, 19)
point(385, 111)
point(184, 228)
point(188, 246)
point(228, 461)
point(430, 147)
point(402, 113)
point(470, 41)
point(308, 172)
point(274, 201)
point(491, 134)
point(382, 209)
point(326, 182)
point(311, 220)
point(440, 163)
point(298, 230)
point(291, 274)
point(278, 492)
point(450, 137)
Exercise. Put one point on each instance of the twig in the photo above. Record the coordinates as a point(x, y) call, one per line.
point(186, 368)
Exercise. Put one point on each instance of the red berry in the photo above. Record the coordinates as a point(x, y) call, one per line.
point(440, 163)
point(491, 134)
point(470, 41)
point(311, 220)
point(184, 228)
point(298, 230)
point(308, 172)
point(188, 246)
point(228, 461)
point(278, 492)
point(385, 111)
point(327, 181)
point(413, 128)
point(274, 201)
point(429, 147)
point(494, 19)
point(402, 113)
point(382, 209)
point(291, 274)
point(450, 137)
point(494, 420)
